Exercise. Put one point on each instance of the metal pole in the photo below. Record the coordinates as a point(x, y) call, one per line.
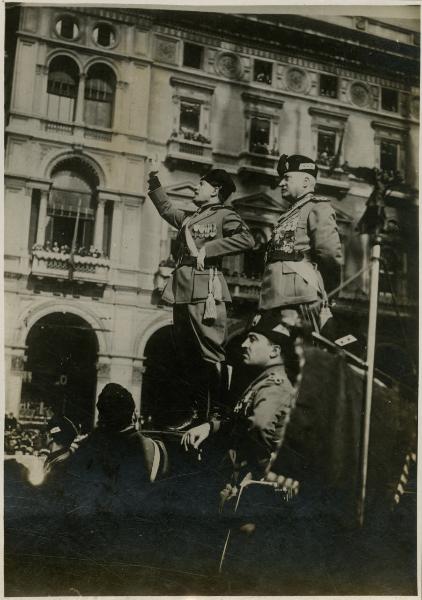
point(370, 360)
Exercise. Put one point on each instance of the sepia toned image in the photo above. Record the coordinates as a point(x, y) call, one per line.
point(211, 300)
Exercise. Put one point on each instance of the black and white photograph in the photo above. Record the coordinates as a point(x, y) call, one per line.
point(211, 279)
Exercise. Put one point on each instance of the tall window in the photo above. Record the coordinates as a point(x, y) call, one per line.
point(99, 96)
point(389, 156)
point(190, 114)
point(389, 99)
point(262, 71)
point(62, 88)
point(326, 147)
point(328, 86)
point(260, 135)
point(71, 208)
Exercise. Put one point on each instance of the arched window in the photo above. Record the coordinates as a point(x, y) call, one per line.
point(62, 89)
point(99, 96)
point(71, 208)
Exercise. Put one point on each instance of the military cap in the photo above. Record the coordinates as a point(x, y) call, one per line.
point(270, 326)
point(115, 405)
point(220, 178)
point(296, 162)
point(62, 430)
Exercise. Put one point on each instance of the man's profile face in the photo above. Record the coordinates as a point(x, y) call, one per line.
point(203, 193)
point(257, 350)
point(292, 185)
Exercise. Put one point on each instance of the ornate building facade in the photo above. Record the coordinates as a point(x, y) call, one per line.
point(94, 96)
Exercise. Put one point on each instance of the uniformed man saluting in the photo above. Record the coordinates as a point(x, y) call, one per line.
point(197, 289)
point(304, 253)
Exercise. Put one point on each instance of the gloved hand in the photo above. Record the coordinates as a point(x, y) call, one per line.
point(153, 181)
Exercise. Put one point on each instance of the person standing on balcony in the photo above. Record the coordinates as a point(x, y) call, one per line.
point(304, 253)
point(197, 288)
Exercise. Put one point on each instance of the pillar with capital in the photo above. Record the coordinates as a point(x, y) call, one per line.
point(42, 217)
point(80, 101)
point(99, 225)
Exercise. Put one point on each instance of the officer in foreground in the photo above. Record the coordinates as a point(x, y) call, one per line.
point(197, 288)
point(304, 253)
point(260, 417)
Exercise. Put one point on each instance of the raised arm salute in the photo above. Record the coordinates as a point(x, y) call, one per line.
point(197, 289)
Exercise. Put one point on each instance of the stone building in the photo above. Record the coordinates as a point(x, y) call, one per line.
point(95, 95)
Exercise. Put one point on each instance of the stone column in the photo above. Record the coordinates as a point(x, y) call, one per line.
point(116, 233)
point(80, 100)
point(42, 218)
point(99, 225)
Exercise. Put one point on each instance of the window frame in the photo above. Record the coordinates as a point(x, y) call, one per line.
point(202, 56)
point(331, 76)
point(76, 22)
point(267, 62)
point(112, 27)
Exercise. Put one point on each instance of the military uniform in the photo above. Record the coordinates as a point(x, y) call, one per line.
point(304, 254)
point(219, 231)
point(260, 419)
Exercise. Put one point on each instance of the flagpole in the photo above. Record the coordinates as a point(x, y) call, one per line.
point(75, 235)
point(370, 361)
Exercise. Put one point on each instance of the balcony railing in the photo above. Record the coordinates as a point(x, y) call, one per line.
point(72, 129)
point(58, 266)
point(180, 150)
point(244, 288)
point(258, 163)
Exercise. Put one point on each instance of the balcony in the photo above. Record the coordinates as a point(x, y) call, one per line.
point(182, 151)
point(258, 164)
point(57, 266)
point(333, 182)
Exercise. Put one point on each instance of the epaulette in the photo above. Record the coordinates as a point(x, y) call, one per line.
point(274, 378)
point(320, 199)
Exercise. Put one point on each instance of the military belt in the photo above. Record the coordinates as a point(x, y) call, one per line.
point(296, 256)
point(190, 261)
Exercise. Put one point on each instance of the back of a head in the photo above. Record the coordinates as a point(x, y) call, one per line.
point(115, 407)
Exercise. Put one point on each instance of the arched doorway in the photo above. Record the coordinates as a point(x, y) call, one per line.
point(61, 358)
point(166, 399)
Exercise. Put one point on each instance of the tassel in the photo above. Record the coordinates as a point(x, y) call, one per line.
point(210, 313)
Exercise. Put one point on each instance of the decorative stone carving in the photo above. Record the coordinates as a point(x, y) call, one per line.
point(228, 64)
point(359, 94)
point(166, 50)
point(297, 80)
